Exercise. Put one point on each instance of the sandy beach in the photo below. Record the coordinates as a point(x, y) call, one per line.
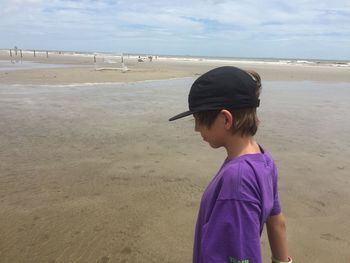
point(81, 69)
point(92, 171)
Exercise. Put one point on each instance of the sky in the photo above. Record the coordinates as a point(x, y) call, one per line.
point(318, 29)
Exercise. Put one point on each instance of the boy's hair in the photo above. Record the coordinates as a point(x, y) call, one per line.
point(245, 121)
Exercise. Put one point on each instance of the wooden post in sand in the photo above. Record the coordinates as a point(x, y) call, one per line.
point(47, 54)
point(95, 59)
point(34, 53)
point(11, 53)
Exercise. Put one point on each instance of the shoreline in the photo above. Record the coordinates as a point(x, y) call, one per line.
point(81, 69)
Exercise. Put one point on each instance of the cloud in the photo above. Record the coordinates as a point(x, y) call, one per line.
point(206, 27)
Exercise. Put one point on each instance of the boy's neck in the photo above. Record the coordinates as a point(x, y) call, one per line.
point(237, 146)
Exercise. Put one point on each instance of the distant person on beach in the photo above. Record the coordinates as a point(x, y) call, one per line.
point(243, 195)
point(139, 59)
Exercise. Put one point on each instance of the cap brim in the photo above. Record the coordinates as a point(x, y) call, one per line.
point(181, 115)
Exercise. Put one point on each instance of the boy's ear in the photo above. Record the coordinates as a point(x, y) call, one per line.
point(227, 118)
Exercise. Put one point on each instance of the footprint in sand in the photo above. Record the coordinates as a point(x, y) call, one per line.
point(104, 259)
point(330, 237)
point(126, 250)
point(320, 203)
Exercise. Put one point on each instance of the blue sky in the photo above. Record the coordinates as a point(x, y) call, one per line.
point(276, 28)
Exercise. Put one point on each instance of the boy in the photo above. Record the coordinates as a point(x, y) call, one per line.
point(243, 195)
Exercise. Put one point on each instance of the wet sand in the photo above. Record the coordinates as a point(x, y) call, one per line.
point(97, 173)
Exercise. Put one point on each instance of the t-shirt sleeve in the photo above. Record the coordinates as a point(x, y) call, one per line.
point(276, 208)
point(232, 233)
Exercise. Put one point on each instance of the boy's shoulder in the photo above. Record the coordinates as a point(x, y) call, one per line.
point(241, 179)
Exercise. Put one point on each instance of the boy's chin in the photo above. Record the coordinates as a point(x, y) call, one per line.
point(214, 146)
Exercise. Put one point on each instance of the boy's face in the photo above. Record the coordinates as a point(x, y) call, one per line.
point(216, 134)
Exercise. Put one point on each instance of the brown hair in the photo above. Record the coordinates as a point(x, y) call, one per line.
point(245, 121)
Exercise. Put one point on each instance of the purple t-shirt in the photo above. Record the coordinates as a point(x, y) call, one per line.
point(234, 208)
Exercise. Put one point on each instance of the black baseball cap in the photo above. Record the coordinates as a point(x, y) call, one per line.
point(221, 88)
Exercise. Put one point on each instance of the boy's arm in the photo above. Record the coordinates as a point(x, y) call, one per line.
point(276, 231)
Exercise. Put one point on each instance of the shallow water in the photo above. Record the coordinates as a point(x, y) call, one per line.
point(8, 65)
